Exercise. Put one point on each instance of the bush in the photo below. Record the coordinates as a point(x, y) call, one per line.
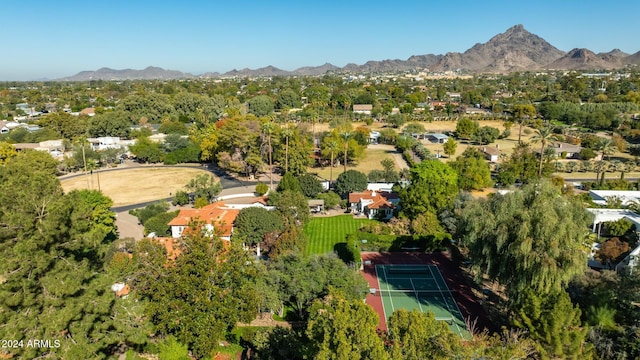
point(618, 227)
point(262, 188)
point(180, 198)
point(331, 199)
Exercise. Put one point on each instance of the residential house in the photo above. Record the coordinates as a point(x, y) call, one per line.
point(491, 153)
point(437, 138)
point(605, 215)
point(216, 217)
point(374, 204)
point(105, 142)
point(374, 136)
point(601, 197)
point(316, 205)
point(362, 109)
point(88, 111)
point(3, 127)
point(563, 150)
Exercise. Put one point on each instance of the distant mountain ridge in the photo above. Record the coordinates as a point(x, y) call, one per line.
point(514, 50)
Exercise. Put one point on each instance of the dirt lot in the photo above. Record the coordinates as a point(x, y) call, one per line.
point(132, 186)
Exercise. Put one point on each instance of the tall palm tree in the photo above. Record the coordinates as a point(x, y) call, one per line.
point(267, 131)
point(346, 135)
point(543, 136)
point(332, 147)
point(287, 132)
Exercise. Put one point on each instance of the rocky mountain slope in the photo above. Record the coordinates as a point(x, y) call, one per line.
point(514, 50)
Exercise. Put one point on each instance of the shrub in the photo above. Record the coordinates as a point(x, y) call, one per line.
point(262, 188)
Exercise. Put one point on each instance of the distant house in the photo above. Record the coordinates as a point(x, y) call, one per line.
point(437, 138)
point(362, 109)
point(563, 150)
point(490, 153)
point(211, 218)
point(3, 127)
point(105, 142)
point(88, 111)
point(374, 204)
point(373, 137)
point(627, 197)
point(316, 205)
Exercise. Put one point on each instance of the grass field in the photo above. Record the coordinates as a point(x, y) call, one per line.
point(133, 186)
point(325, 232)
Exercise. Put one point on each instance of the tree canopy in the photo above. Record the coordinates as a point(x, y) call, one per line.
point(527, 239)
point(434, 186)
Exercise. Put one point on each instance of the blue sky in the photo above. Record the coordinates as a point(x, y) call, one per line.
point(52, 39)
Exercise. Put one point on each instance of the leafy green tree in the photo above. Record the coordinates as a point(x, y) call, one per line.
point(310, 185)
point(172, 349)
point(414, 128)
point(93, 215)
point(331, 199)
point(292, 205)
point(262, 188)
point(527, 239)
point(173, 127)
point(253, 223)
point(351, 181)
point(450, 146)
point(288, 99)
point(619, 227)
point(147, 151)
point(554, 322)
point(53, 247)
point(522, 166)
point(473, 171)
point(466, 128)
point(426, 224)
point(180, 198)
point(111, 123)
point(434, 186)
point(289, 182)
point(202, 297)
point(418, 335)
point(64, 124)
point(260, 105)
point(289, 273)
point(486, 135)
point(158, 224)
point(149, 211)
point(204, 186)
point(389, 173)
point(343, 329)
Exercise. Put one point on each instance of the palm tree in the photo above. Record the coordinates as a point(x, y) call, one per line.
point(606, 148)
point(267, 131)
point(287, 132)
point(346, 135)
point(543, 136)
point(332, 146)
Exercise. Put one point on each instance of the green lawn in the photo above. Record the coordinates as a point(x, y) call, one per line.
point(325, 232)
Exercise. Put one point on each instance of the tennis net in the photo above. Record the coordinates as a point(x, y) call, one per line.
point(407, 270)
point(411, 293)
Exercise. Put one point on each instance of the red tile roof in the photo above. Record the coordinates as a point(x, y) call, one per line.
point(372, 195)
point(217, 214)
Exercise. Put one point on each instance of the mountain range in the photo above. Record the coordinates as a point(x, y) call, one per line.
point(514, 50)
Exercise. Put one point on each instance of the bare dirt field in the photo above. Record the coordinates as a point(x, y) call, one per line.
point(132, 186)
point(373, 155)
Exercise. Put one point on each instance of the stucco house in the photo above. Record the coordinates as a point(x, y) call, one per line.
point(363, 109)
point(216, 217)
point(374, 204)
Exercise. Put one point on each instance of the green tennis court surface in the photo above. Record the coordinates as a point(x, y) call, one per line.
point(420, 287)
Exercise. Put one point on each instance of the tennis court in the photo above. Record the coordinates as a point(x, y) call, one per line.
point(420, 287)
